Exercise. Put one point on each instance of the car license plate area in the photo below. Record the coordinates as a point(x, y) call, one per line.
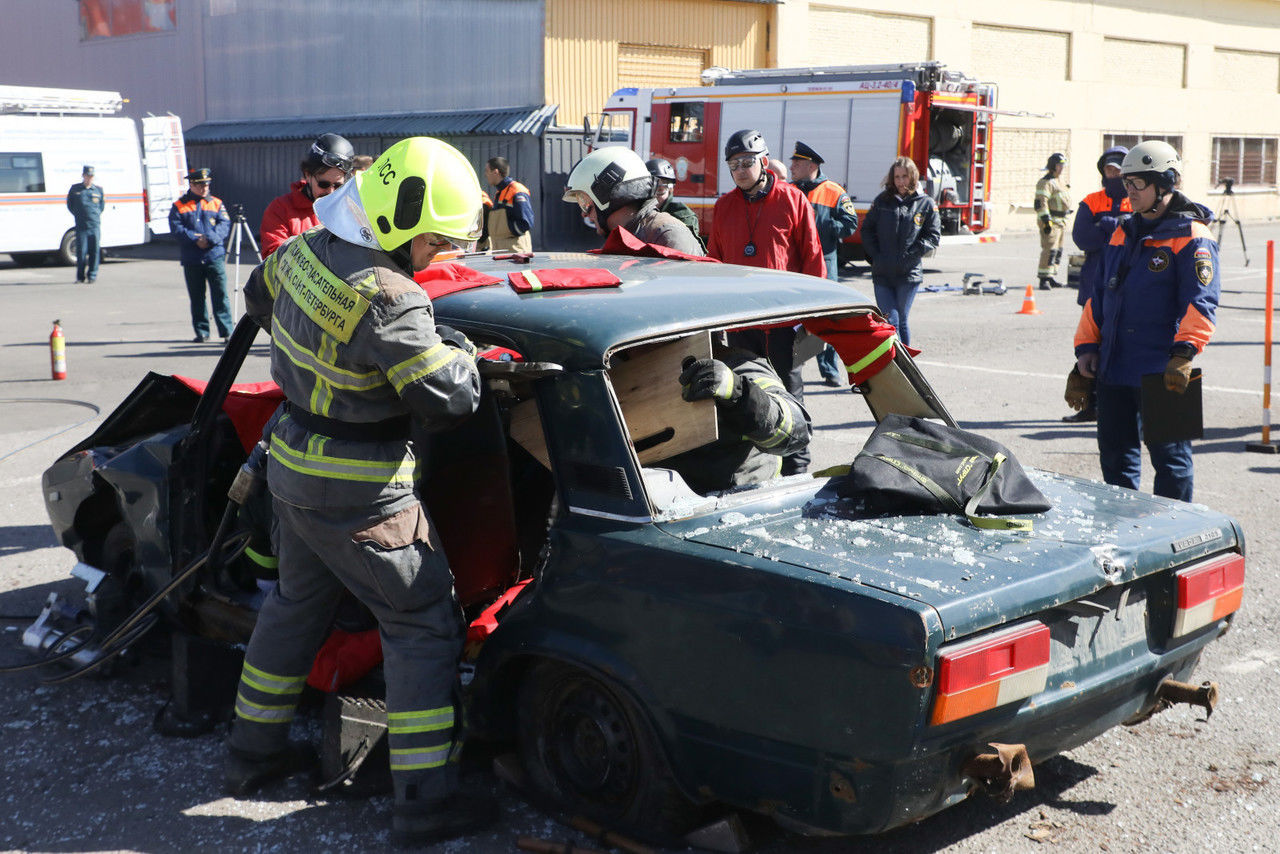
point(1101, 631)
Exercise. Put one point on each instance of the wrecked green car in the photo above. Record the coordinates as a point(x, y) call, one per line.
point(655, 651)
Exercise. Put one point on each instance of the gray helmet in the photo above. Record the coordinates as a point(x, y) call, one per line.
point(332, 151)
point(610, 178)
point(745, 142)
point(661, 169)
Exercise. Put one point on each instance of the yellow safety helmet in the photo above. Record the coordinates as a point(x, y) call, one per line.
point(416, 186)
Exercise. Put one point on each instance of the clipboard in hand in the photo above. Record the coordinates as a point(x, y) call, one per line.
point(1171, 417)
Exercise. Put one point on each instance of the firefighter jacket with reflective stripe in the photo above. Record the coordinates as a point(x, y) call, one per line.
point(833, 213)
point(662, 229)
point(1052, 199)
point(777, 223)
point(1096, 221)
point(287, 215)
point(1159, 289)
point(755, 433)
point(86, 204)
point(192, 216)
point(352, 339)
point(896, 234)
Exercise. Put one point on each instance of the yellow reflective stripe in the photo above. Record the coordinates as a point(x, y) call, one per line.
point(534, 281)
point(262, 560)
point(269, 274)
point(866, 360)
point(783, 432)
point(430, 720)
point(322, 393)
point(334, 375)
point(341, 468)
point(420, 365)
point(263, 714)
point(416, 759)
point(368, 286)
point(270, 683)
point(331, 303)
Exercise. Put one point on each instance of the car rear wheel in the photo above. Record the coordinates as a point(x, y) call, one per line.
point(587, 748)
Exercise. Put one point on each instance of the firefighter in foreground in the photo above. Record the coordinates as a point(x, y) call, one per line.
point(1152, 312)
point(356, 350)
point(613, 189)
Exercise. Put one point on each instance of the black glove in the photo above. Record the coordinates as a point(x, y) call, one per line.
point(455, 338)
point(1046, 228)
point(709, 379)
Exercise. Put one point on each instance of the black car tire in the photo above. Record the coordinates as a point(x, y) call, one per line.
point(66, 253)
point(588, 750)
point(120, 592)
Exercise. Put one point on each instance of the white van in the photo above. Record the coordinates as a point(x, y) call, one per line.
point(47, 136)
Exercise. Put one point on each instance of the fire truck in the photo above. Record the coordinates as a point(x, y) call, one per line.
point(859, 118)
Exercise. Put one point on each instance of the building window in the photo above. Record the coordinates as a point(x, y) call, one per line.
point(686, 122)
point(21, 173)
point(106, 18)
point(1246, 160)
point(1129, 140)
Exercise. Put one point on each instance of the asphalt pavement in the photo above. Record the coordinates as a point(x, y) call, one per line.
point(82, 769)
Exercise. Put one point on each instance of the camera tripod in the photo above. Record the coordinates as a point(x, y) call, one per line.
point(1227, 211)
point(240, 229)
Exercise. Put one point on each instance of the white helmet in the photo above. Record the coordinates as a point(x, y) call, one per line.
point(610, 177)
point(1156, 157)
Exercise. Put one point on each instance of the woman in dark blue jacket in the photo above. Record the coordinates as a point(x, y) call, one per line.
point(901, 226)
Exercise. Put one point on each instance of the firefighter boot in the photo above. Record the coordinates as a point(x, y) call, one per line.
point(418, 823)
point(1044, 283)
point(244, 773)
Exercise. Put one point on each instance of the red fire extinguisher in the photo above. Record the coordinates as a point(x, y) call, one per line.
point(58, 352)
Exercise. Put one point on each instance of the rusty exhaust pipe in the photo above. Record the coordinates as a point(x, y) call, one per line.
point(1002, 773)
point(1205, 695)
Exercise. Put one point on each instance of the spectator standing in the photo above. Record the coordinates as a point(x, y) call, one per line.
point(1096, 220)
point(86, 202)
point(1052, 205)
point(766, 222)
point(200, 223)
point(327, 166)
point(613, 189)
point(510, 219)
point(666, 177)
point(836, 219)
point(1152, 312)
point(901, 226)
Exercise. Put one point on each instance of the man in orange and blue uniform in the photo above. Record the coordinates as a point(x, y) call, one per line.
point(199, 222)
point(836, 219)
point(1096, 220)
point(1152, 312)
point(510, 219)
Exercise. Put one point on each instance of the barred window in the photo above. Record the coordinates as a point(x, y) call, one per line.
point(1246, 160)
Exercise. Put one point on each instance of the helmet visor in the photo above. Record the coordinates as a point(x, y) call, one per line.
point(332, 160)
point(445, 243)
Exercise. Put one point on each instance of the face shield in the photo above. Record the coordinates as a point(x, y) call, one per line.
point(343, 214)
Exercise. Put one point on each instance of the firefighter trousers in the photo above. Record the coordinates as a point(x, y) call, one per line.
point(395, 565)
point(1051, 249)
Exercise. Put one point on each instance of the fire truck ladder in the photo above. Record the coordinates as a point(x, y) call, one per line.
point(38, 100)
point(981, 159)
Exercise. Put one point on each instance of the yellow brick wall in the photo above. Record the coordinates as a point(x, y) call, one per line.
point(853, 37)
point(1016, 52)
point(1246, 71)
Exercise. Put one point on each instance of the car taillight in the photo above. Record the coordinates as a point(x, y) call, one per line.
point(981, 674)
point(1208, 592)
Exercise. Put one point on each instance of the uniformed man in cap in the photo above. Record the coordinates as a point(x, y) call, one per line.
point(834, 214)
point(86, 201)
point(200, 223)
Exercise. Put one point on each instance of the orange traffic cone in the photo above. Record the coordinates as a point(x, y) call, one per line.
point(1029, 303)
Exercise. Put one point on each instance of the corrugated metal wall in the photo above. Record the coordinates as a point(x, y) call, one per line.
point(583, 36)
point(560, 224)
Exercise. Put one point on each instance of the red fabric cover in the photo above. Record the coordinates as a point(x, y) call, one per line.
point(622, 242)
point(442, 279)
point(495, 354)
point(785, 233)
point(344, 659)
point(286, 216)
point(854, 338)
point(483, 626)
point(248, 405)
point(562, 279)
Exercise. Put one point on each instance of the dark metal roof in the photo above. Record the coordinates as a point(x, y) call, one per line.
point(504, 120)
point(657, 298)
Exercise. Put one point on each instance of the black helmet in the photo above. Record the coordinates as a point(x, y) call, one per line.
point(1054, 160)
point(745, 142)
point(330, 150)
point(661, 169)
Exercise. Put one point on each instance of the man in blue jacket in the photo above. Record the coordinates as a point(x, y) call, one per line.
point(200, 223)
point(1152, 313)
point(86, 201)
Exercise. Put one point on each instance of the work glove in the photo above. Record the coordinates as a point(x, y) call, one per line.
point(1079, 389)
point(709, 379)
point(1087, 365)
point(1045, 227)
point(1177, 373)
point(455, 338)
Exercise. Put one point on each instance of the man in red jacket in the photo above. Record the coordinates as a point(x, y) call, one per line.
point(766, 222)
point(327, 166)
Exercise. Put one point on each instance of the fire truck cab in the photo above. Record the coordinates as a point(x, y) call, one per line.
point(858, 117)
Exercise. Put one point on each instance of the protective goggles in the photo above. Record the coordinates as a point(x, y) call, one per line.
point(742, 164)
point(333, 161)
point(443, 243)
point(584, 201)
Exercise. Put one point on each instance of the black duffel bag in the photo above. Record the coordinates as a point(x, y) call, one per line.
point(911, 465)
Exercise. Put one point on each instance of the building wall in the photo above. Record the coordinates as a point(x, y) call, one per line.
point(594, 48)
point(1181, 67)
